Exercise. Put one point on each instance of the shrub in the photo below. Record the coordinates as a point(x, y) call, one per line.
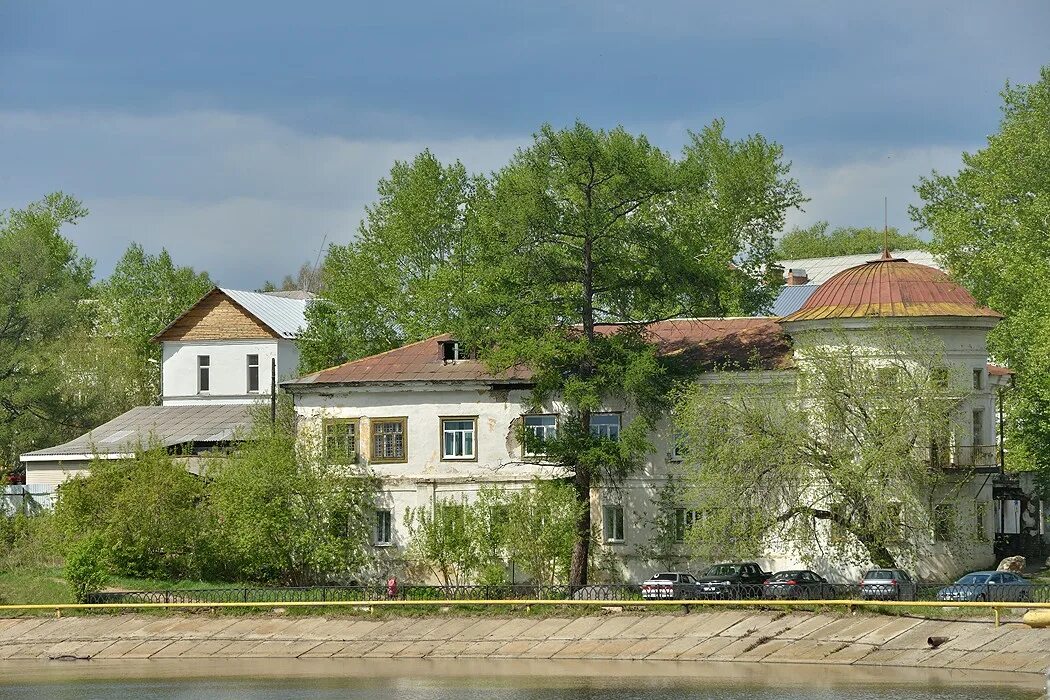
point(86, 568)
point(145, 513)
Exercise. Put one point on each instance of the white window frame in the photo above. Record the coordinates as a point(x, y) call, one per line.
point(462, 433)
point(203, 371)
point(978, 428)
point(608, 429)
point(978, 378)
point(258, 374)
point(613, 525)
point(383, 536)
point(549, 432)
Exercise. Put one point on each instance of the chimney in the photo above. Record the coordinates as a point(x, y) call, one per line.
point(796, 276)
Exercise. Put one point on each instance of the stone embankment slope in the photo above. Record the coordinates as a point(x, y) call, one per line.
point(738, 635)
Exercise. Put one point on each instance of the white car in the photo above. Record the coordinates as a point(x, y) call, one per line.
point(670, 585)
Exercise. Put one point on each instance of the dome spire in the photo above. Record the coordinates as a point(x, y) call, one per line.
point(885, 230)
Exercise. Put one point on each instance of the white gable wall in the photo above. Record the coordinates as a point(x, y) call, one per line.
point(229, 369)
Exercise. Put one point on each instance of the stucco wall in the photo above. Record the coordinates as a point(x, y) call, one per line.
point(229, 369)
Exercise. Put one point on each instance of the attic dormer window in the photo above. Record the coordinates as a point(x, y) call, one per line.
point(454, 351)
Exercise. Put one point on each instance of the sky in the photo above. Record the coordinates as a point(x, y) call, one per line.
point(243, 136)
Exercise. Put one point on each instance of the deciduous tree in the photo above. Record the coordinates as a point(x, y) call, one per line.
point(817, 241)
point(842, 459)
point(393, 284)
point(991, 227)
point(139, 299)
point(43, 285)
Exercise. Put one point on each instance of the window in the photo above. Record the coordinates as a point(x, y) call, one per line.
point(538, 430)
point(454, 351)
point(203, 373)
point(605, 425)
point(683, 521)
point(978, 426)
point(978, 378)
point(389, 442)
point(340, 439)
point(943, 522)
point(678, 446)
point(253, 373)
point(457, 438)
point(384, 528)
point(980, 518)
point(612, 523)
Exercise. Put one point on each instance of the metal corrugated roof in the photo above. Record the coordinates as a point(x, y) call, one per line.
point(889, 287)
point(790, 298)
point(820, 270)
point(146, 426)
point(284, 315)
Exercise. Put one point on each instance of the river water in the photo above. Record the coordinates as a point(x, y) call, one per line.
point(454, 680)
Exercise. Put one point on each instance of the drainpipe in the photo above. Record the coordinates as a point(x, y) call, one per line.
point(273, 391)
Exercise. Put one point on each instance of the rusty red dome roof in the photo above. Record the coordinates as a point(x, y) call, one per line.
point(889, 287)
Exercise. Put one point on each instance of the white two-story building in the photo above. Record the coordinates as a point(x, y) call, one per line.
point(435, 424)
point(223, 354)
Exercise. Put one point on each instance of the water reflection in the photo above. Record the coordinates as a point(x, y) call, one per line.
point(480, 688)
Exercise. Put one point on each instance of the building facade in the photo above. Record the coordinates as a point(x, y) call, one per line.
point(435, 425)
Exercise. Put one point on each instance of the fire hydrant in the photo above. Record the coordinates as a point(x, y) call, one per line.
point(391, 587)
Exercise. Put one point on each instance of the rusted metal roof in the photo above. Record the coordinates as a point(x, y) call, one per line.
point(757, 343)
point(889, 288)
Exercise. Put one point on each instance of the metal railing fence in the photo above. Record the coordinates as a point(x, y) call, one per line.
point(1037, 593)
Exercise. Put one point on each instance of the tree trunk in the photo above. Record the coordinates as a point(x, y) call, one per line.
point(581, 550)
point(582, 479)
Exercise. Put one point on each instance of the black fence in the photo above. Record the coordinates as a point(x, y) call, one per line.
point(773, 590)
point(371, 593)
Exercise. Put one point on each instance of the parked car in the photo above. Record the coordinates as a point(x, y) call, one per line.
point(670, 585)
point(988, 585)
point(797, 584)
point(888, 584)
point(736, 580)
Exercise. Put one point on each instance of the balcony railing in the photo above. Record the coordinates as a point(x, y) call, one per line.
point(982, 457)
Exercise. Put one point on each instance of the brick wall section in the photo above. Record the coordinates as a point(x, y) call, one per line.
point(215, 317)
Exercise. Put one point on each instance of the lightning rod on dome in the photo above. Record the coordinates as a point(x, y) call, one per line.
point(886, 229)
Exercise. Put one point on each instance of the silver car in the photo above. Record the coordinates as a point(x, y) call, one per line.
point(981, 586)
point(888, 584)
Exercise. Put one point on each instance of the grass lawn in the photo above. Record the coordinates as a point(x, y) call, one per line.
point(47, 585)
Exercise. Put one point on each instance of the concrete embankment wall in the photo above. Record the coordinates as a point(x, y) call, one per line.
point(738, 635)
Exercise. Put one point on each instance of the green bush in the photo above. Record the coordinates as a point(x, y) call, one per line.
point(86, 568)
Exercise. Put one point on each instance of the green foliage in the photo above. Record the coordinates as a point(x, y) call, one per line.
point(440, 541)
point(138, 300)
point(991, 227)
point(86, 567)
point(28, 542)
point(145, 512)
point(474, 541)
point(391, 285)
point(817, 242)
point(541, 530)
point(43, 282)
point(284, 513)
point(833, 463)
